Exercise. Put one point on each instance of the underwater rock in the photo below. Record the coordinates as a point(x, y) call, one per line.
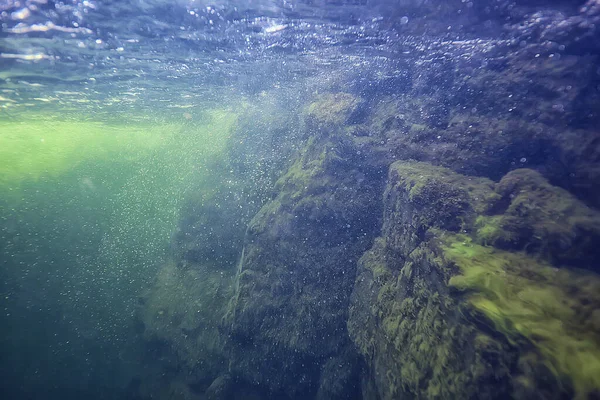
point(577, 32)
point(534, 83)
point(403, 317)
point(436, 315)
point(211, 229)
point(579, 164)
point(265, 141)
point(330, 110)
point(543, 311)
point(480, 145)
point(230, 190)
point(340, 377)
point(469, 144)
point(180, 319)
point(543, 220)
point(287, 319)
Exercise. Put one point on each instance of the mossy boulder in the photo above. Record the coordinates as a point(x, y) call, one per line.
point(287, 319)
point(420, 196)
point(534, 304)
point(404, 318)
point(543, 220)
point(410, 329)
point(436, 315)
point(330, 110)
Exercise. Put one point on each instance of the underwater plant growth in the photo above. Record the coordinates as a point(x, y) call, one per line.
point(299, 200)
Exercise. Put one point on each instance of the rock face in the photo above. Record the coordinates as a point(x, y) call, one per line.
point(404, 318)
point(542, 219)
point(437, 315)
point(181, 316)
point(287, 319)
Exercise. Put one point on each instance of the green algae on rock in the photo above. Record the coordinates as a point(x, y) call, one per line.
point(287, 318)
point(420, 196)
point(523, 298)
point(543, 220)
point(436, 315)
point(410, 334)
point(331, 109)
point(404, 319)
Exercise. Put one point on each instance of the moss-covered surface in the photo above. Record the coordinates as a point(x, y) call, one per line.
point(331, 109)
point(420, 196)
point(543, 220)
point(437, 313)
point(288, 314)
point(553, 309)
point(456, 299)
point(404, 318)
point(412, 333)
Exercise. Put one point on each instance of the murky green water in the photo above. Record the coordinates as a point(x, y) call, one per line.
point(88, 212)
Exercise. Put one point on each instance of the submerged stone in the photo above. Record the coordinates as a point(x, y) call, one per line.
point(543, 220)
point(287, 317)
point(516, 327)
point(331, 109)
